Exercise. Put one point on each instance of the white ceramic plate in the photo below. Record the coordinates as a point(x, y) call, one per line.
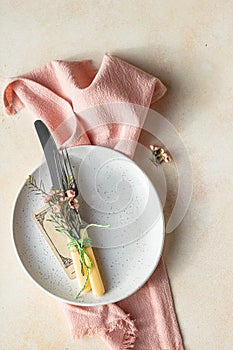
point(115, 191)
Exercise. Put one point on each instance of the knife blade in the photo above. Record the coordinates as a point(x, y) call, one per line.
point(51, 153)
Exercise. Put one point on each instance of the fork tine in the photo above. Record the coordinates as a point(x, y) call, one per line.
point(60, 163)
point(58, 169)
point(69, 170)
point(65, 170)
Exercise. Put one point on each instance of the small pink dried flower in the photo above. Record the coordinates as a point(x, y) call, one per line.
point(159, 155)
point(70, 194)
point(167, 159)
point(73, 203)
point(153, 148)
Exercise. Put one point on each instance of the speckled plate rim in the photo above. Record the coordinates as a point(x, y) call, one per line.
point(76, 302)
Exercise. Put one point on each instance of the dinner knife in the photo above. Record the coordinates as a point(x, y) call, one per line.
point(55, 166)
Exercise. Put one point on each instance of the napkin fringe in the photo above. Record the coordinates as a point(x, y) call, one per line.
point(130, 336)
point(126, 325)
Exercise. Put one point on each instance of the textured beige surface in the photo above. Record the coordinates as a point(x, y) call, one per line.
point(188, 44)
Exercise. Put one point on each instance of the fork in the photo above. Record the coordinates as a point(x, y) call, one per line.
point(96, 283)
point(64, 168)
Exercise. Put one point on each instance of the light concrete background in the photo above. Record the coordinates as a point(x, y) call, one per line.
point(188, 45)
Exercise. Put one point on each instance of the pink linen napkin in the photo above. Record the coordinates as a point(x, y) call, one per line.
point(146, 320)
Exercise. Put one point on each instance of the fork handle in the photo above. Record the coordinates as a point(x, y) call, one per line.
point(80, 271)
point(96, 282)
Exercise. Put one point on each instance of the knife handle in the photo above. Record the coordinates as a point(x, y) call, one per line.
point(96, 282)
point(80, 272)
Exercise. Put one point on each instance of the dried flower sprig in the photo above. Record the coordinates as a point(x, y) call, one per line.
point(159, 155)
point(65, 217)
point(38, 189)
